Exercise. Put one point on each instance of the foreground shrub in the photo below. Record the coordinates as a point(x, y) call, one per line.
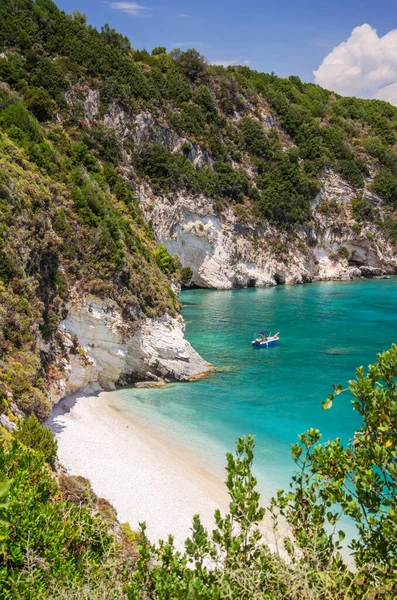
point(51, 544)
point(34, 435)
point(358, 481)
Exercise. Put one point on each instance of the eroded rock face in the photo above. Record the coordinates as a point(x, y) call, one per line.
point(223, 252)
point(102, 350)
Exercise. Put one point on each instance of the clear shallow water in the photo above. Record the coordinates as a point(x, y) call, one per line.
point(326, 331)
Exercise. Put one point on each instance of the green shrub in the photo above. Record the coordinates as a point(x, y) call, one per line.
point(39, 102)
point(186, 275)
point(191, 63)
point(164, 260)
point(34, 435)
point(255, 139)
point(342, 252)
point(16, 116)
point(362, 210)
point(159, 50)
point(54, 547)
point(385, 185)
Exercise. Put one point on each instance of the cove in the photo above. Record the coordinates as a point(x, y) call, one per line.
point(326, 331)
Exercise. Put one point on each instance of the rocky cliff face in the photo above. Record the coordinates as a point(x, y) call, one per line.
point(101, 350)
point(225, 251)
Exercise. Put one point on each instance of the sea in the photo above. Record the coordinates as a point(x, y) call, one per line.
point(327, 330)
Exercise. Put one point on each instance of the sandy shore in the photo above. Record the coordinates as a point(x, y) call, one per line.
point(144, 475)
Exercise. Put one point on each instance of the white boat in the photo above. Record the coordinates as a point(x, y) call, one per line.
point(264, 339)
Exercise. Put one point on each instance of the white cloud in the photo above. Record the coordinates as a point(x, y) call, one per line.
point(131, 8)
point(364, 65)
point(229, 63)
point(182, 15)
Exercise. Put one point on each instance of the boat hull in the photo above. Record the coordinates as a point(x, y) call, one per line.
point(264, 344)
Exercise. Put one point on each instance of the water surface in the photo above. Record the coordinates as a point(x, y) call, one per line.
point(326, 331)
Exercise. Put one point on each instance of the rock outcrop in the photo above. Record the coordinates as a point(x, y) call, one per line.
point(225, 250)
point(101, 349)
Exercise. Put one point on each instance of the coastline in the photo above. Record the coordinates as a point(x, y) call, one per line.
point(143, 473)
point(146, 476)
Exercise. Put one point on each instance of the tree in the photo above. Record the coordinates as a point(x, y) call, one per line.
point(190, 62)
point(159, 50)
point(38, 101)
point(34, 435)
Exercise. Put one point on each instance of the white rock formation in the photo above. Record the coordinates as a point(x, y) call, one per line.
point(109, 352)
point(222, 250)
point(221, 253)
point(225, 252)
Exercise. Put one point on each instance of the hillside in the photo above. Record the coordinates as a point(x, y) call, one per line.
point(250, 179)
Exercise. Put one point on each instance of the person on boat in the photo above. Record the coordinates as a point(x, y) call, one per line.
point(263, 337)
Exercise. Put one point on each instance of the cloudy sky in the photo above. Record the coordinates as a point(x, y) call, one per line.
point(349, 46)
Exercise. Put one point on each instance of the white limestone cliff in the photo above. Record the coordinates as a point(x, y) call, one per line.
point(225, 251)
point(102, 350)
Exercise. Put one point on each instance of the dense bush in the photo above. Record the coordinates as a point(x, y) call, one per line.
point(52, 546)
point(164, 260)
point(385, 184)
point(186, 275)
point(38, 101)
point(362, 210)
point(286, 192)
point(255, 139)
point(34, 435)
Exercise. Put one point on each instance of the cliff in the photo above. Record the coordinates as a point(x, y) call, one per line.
point(100, 350)
point(125, 174)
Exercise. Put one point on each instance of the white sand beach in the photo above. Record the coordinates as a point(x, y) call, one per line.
point(144, 475)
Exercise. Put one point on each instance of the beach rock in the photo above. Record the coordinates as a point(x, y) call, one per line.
point(111, 351)
point(367, 271)
point(150, 384)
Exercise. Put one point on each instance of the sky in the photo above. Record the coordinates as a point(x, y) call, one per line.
point(349, 46)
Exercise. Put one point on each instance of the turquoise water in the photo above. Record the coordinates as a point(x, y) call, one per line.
point(326, 331)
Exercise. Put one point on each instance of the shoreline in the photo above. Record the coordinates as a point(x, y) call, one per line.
point(143, 473)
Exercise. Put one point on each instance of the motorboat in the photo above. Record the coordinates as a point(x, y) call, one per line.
point(264, 339)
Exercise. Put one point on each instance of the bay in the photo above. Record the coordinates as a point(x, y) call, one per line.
point(326, 331)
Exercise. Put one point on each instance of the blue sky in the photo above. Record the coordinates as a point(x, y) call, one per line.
point(285, 36)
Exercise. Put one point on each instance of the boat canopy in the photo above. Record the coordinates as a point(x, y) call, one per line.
point(264, 332)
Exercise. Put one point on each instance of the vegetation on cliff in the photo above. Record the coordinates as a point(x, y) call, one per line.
point(267, 140)
point(67, 221)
